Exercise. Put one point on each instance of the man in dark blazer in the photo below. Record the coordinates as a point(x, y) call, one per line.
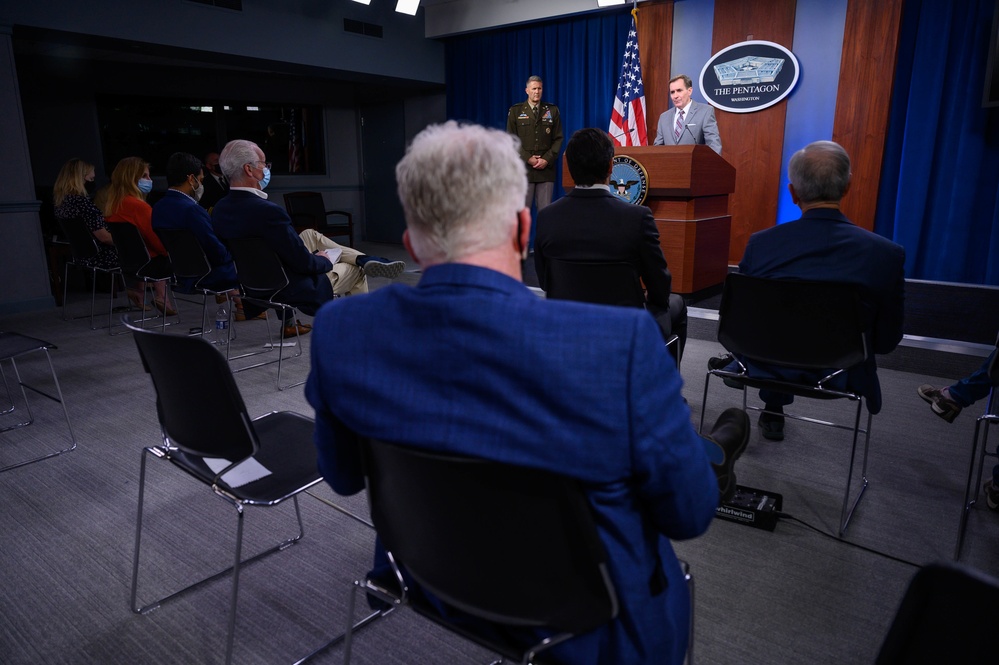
point(472, 363)
point(697, 124)
point(591, 224)
point(317, 267)
point(216, 185)
point(825, 245)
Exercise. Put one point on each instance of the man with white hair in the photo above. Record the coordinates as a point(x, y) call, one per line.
point(317, 267)
point(471, 362)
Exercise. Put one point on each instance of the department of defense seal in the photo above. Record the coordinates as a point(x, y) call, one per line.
point(629, 179)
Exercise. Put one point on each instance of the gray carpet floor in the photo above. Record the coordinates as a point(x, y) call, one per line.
point(795, 595)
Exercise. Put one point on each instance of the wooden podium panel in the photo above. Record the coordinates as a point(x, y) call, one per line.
point(688, 191)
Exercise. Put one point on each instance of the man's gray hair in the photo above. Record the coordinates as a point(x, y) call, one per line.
point(234, 155)
point(531, 79)
point(820, 172)
point(461, 187)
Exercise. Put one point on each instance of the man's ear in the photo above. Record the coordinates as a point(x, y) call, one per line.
point(408, 244)
point(794, 196)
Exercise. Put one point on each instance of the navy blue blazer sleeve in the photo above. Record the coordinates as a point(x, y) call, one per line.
point(277, 230)
point(216, 252)
point(654, 272)
point(891, 310)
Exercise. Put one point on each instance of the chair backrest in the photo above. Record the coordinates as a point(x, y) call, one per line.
point(258, 268)
point(947, 615)
point(598, 282)
point(186, 254)
point(81, 240)
point(132, 253)
point(793, 323)
point(306, 208)
point(199, 405)
point(505, 543)
point(994, 365)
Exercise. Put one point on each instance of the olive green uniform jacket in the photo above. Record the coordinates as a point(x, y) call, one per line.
point(541, 136)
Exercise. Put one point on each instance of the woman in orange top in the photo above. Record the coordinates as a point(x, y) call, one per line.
point(125, 201)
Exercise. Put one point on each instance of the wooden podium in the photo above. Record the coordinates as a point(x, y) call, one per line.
point(688, 192)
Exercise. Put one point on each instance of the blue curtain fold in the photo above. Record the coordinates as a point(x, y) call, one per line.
point(578, 59)
point(938, 194)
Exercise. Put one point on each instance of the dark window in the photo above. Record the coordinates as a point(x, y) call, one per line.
point(290, 136)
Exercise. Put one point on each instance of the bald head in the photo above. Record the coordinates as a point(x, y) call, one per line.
point(819, 173)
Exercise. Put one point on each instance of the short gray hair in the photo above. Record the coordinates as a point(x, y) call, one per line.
point(461, 187)
point(820, 172)
point(234, 155)
point(531, 79)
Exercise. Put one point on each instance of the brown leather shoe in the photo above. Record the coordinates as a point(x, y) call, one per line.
point(240, 315)
point(298, 328)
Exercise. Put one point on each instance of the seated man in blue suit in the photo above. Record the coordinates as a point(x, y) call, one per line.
point(471, 362)
point(179, 209)
point(317, 267)
point(826, 246)
point(591, 224)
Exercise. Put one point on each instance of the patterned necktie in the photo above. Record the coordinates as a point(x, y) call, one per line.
point(679, 126)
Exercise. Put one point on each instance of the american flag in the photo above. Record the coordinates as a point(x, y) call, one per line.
point(627, 123)
point(294, 157)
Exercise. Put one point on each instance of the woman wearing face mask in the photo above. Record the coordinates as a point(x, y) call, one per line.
point(71, 200)
point(126, 202)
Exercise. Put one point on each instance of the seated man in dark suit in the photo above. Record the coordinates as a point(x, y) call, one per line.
point(317, 267)
point(471, 362)
point(591, 224)
point(216, 185)
point(826, 246)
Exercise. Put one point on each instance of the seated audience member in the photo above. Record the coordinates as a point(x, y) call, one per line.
point(948, 403)
point(471, 362)
point(69, 196)
point(125, 201)
point(179, 209)
point(317, 267)
point(826, 246)
point(215, 183)
point(591, 224)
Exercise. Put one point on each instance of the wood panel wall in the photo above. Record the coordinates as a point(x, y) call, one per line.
point(863, 102)
point(753, 142)
point(655, 43)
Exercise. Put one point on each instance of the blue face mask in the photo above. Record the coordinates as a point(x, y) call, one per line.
point(267, 178)
point(145, 186)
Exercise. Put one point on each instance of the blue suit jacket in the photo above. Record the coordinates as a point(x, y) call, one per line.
point(176, 210)
point(471, 362)
point(700, 127)
point(825, 246)
point(242, 214)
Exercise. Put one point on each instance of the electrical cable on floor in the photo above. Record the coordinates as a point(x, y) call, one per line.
point(787, 516)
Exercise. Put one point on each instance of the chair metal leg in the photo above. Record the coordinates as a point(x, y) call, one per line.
point(974, 481)
point(58, 397)
point(847, 509)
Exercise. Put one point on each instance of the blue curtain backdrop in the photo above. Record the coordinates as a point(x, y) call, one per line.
point(579, 60)
point(940, 179)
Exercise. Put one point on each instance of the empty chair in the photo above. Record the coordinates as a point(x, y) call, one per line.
point(12, 347)
point(505, 544)
point(83, 247)
point(601, 283)
point(814, 328)
point(209, 435)
point(947, 615)
point(308, 211)
point(979, 451)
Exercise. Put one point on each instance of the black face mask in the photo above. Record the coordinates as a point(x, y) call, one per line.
point(89, 185)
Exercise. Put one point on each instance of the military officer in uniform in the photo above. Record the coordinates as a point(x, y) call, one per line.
point(539, 127)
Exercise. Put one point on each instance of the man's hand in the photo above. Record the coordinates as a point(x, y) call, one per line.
point(540, 163)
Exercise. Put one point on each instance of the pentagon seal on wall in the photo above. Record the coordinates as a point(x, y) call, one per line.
point(629, 179)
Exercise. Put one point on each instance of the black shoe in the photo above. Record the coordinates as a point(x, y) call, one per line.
point(772, 426)
point(376, 266)
point(721, 362)
point(730, 434)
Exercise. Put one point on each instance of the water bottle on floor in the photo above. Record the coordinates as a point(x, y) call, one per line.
point(222, 327)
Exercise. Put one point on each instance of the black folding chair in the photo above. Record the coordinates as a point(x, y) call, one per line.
point(189, 263)
point(12, 347)
point(948, 615)
point(308, 211)
point(817, 327)
point(979, 451)
point(601, 283)
point(136, 261)
point(262, 278)
point(83, 247)
point(208, 434)
point(509, 545)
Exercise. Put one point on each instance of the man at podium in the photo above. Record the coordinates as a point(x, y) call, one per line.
point(688, 122)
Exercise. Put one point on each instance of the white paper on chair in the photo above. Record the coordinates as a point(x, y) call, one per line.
point(241, 474)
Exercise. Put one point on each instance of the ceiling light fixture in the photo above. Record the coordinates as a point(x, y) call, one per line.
point(407, 7)
point(604, 3)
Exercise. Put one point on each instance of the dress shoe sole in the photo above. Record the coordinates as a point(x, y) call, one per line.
point(388, 270)
point(772, 431)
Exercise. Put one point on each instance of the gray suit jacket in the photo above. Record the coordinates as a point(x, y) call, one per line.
point(700, 127)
